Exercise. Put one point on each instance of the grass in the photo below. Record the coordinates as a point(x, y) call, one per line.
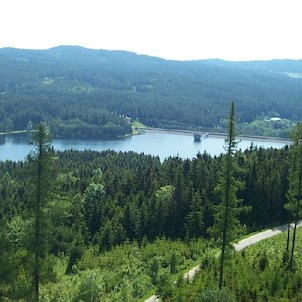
point(276, 245)
point(138, 124)
point(258, 273)
point(123, 273)
point(117, 274)
point(135, 125)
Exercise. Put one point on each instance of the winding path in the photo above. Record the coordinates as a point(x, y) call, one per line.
point(242, 244)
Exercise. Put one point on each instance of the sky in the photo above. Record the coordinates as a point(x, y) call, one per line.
point(236, 30)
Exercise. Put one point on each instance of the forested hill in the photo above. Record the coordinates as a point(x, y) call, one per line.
point(83, 92)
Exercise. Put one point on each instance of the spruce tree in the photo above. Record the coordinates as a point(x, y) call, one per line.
point(294, 193)
point(226, 223)
point(40, 160)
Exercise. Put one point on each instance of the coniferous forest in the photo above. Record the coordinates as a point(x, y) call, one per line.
point(115, 226)
point(81, 92)
point(107, 226)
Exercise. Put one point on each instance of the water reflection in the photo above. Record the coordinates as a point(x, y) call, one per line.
point(2, 139)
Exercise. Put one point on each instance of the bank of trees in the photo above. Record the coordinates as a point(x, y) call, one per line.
point(40, 161)
point(103, 199)
point(136, 188)
point(81, 118)
point(294, 193)
point(125, 203)
point(81, 92)
point(226, 223)
point(257, 273)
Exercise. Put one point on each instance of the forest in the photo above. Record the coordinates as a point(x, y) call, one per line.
point(107, 226)
point(81, 92)
point(121, 226)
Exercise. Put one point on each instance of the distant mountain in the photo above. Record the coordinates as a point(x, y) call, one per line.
point(70, 85)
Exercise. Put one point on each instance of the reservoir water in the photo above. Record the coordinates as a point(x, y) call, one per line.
point(15, 147)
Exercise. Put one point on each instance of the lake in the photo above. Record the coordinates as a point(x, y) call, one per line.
point(15, 147)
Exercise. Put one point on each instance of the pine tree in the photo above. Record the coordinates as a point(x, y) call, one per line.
point(195, 218)
point(294, 193)
point(6, 265)
point(226, 224)
point(40, 160)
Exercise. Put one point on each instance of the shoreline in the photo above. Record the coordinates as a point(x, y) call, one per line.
point(142, 130)
point(15, 132)
point(215, 134)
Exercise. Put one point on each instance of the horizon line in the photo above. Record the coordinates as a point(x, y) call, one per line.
point(151, 55)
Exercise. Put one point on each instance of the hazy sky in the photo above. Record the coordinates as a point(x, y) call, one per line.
point(172, 29)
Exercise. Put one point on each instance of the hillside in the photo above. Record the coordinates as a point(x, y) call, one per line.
point(258, 273)
point(104, 215)
point(83, 92)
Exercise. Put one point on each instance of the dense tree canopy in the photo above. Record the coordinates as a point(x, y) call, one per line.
point(81, 92)
point(125, 202)
point(104, 199)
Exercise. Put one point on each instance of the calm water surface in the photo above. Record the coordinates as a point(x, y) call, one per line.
point(16, 147)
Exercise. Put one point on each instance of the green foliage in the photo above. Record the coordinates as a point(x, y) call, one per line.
point(173, 263)
point(93, 203)
point(162, 208)
point(126, 273)
point(294, 193)
point(227, 223)
point(84, 93)
point(263, 126)
point(40, 160)
point(106, 210)
point(6, 261)
point(154, 269)
point(254, 274)
point(134, 186)
point(222, 295)
point(195, 218)
point(18, 231)
point(89, 288)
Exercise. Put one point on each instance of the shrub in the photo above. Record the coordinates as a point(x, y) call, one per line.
point(216, 295)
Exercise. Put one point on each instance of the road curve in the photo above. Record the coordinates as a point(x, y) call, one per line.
point(240, 245)
point(152, 299)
